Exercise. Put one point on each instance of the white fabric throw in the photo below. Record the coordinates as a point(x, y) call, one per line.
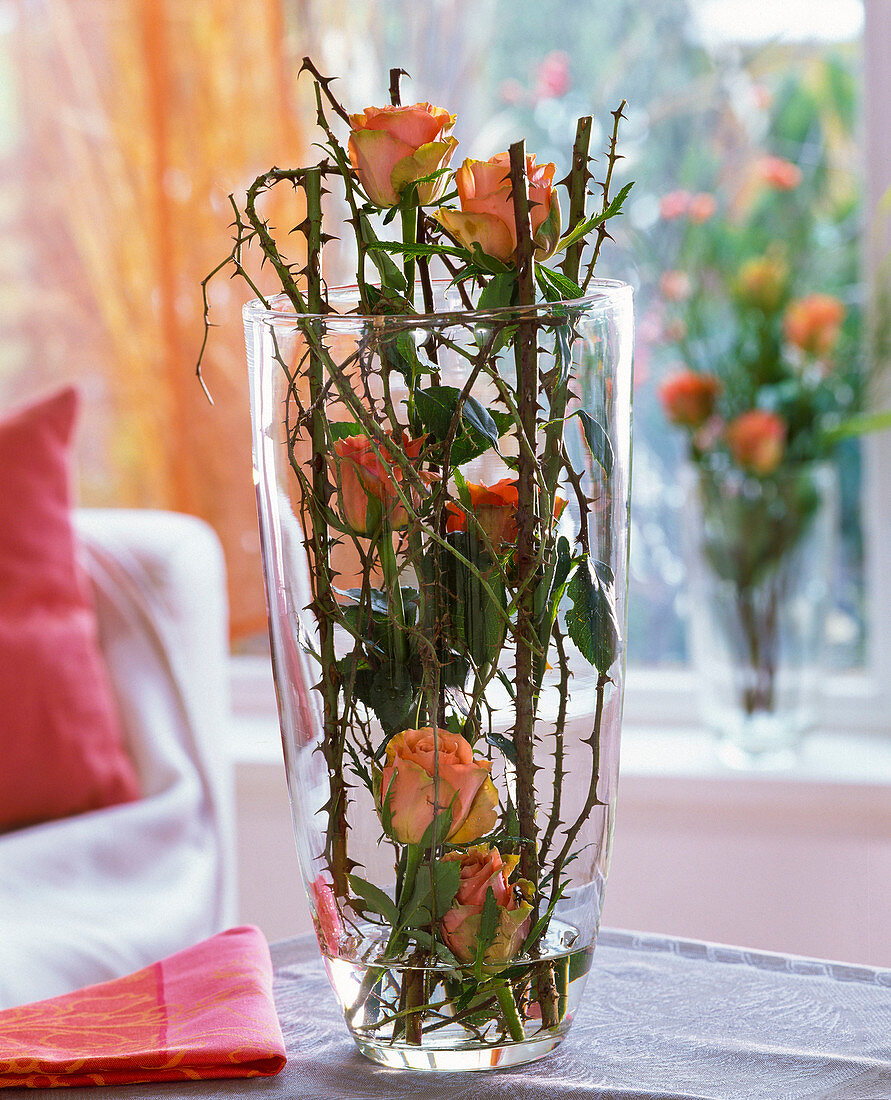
point(99, 895)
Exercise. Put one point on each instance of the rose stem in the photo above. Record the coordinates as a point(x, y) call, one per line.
point(413, 854)
point(576, 184)
point(324, 598)
point(409, 209)
point(505, 996)
point(396, 616)
point(526, 355)
point(611, 157)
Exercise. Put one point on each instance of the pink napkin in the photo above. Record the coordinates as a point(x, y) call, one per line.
point(203, 1012)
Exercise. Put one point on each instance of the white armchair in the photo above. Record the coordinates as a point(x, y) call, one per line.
point(96, 896)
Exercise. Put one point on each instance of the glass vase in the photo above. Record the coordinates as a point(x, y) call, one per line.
point(759, 553)
point(443, 505)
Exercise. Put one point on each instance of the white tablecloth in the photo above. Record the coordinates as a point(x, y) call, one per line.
point(661, 1019)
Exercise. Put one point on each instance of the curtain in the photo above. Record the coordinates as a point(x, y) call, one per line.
point(127, 124)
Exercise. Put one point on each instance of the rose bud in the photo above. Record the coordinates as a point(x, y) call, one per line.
point(756, 440)
point(762, 282)
point(391, 147)
point(778, 173)
point(487, 217)
point(482, 869)
point(406, 789)
point(702, 207)
point(367, 484)
point(494, 508)
point(674, 205)
point(688, 398)
point(813, 323)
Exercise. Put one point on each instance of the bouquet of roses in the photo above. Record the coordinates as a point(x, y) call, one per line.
point(769, 382)
point(465, 593)
point(769, 376)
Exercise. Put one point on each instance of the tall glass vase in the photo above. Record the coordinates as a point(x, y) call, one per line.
point(759, 553)
point(443, 504)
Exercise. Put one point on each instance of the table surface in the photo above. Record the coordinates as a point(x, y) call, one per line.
point(661, 1019)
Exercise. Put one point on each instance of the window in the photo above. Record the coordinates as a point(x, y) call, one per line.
point(129, 122)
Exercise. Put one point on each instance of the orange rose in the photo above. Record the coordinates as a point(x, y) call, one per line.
point(675, 285)
point(813, 323)
point(688, 398)
point(486, 216)
point(702, 207)
point(779, 173)
point(391, 147)
point(756, 440)
point(495, 509)
point(674, 205)
point(762, 282)
point(482, 869)
point(407, 786)
point(366, 484)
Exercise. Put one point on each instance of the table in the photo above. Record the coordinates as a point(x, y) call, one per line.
point(661, 1019)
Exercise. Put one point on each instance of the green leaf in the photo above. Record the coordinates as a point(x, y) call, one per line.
point(426, 940)
point(434, 892)
point(438, 829)
point(598, 441)
point(500, 291)
point(378, 599)
point(479, 429)
point(859, 425)
point(585, 227)
point(374, 898)
point(503, 743)
point(340, 429)
point(592, 621)
point(565, 287)
point(391, 697)
point(390, 274)
point(477, 618)
point(488, 928)
point(564, 563)
point(413, 250)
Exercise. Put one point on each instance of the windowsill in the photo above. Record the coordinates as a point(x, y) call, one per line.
point(675, 754)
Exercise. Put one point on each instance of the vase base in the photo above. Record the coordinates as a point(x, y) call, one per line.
point(457, 1059)
point(742, 758)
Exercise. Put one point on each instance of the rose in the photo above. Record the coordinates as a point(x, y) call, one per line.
point(367, 483)
point(482, 869)
point(762, 282)
point(779, 173)
point(674, 205)
point(675, 285)
point(391, 147)
point(494, 507)
point(813, 323)
point(486, 217)
point(702, 207)
point(406, 793)
point(756, 440)
point(688, 398)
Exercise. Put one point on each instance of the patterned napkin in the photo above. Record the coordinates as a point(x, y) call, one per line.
point(204, 1012)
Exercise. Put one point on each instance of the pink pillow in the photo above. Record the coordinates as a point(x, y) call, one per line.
point(61, 750)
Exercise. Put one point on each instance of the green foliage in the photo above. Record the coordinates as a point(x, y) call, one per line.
point(374, 899)
point(478, 428)
point(592, 621)
point(598, 441)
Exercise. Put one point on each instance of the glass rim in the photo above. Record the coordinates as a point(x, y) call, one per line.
point(606, 292)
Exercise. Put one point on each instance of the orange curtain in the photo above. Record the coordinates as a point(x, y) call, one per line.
point(130, 123)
